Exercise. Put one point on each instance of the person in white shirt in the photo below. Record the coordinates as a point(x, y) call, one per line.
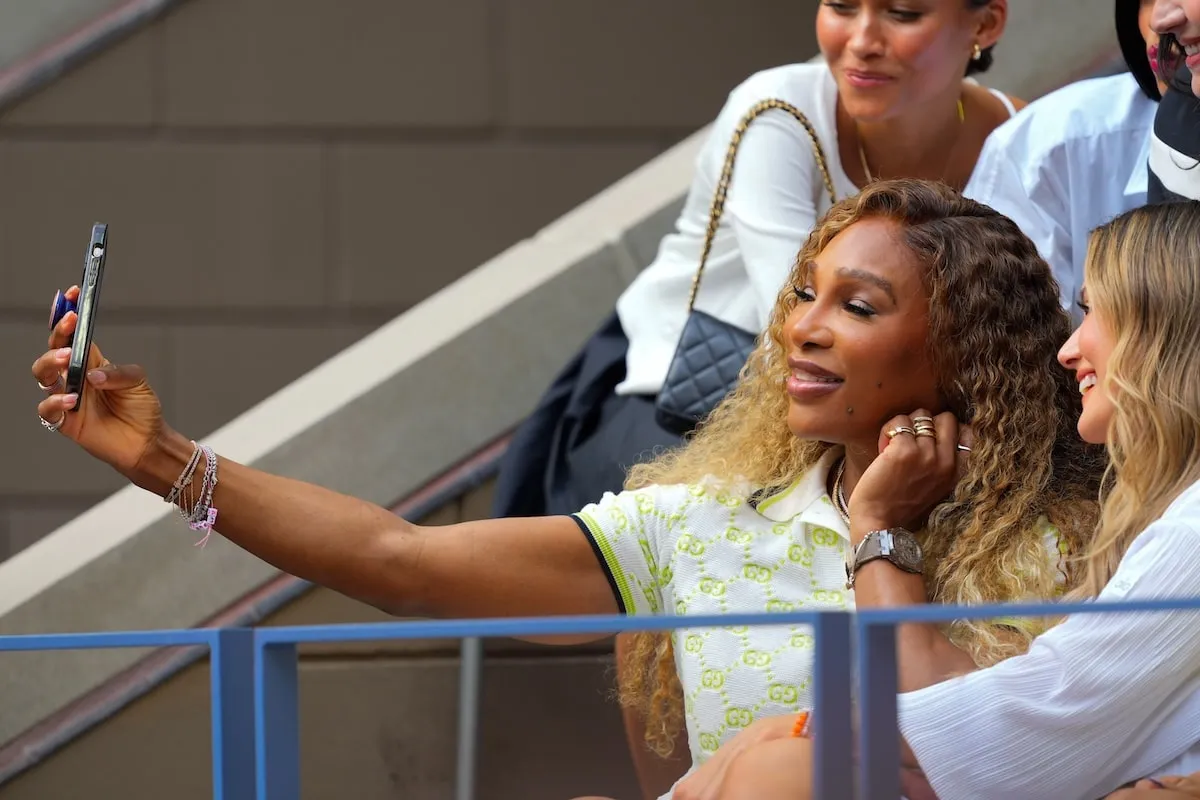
point(1099, 700)
point(907, 295)
point(1076, 158)
point(889, 100)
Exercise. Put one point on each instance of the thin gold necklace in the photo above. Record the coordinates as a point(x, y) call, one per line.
point(838, 494)
point(862, 154)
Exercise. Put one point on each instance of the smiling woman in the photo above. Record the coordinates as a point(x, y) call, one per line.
point(1115, 692)
point(903, 107)
point(907, 299)
point(890, 99)
point(864, 290)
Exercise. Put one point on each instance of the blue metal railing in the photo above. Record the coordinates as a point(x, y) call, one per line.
point(255, 724)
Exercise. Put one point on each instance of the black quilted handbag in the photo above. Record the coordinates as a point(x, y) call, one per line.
point(711, 353)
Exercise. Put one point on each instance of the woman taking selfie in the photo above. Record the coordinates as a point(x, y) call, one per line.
point(1099, 700)
point(890, 99)
point(906, 297)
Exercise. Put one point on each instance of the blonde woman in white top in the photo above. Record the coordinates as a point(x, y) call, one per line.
point(890, 100)
point(1100, 700)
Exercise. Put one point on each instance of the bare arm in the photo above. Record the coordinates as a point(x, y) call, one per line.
point(495, 568)
point(923, 653)
point(911, 475)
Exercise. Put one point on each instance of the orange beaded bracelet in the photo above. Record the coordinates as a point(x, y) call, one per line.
point(800, 729)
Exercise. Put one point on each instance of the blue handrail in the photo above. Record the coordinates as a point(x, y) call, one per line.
point(255, 693)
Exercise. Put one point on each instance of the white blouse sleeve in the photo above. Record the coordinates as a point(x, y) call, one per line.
point(1026, 184)
point(1081, 712)
point(771, 204)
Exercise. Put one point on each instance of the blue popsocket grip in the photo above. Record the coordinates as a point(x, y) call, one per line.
point(59, 308)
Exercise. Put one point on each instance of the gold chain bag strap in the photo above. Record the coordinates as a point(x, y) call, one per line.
point(711, 353)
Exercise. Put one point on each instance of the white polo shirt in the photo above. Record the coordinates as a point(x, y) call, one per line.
point(701, 550)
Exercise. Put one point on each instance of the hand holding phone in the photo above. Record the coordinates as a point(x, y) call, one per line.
point(89, 302)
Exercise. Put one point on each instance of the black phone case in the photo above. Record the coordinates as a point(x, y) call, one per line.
point(89, 303)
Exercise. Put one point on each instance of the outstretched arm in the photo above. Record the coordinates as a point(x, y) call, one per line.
point(507, 567)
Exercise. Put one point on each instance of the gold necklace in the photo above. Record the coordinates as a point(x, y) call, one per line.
point(838, 494)
point(862, 154)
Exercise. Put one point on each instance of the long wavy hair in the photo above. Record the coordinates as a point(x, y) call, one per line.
point(1143, 280)
point(995, 325)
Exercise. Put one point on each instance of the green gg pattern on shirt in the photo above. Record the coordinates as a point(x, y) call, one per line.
point(703, 549)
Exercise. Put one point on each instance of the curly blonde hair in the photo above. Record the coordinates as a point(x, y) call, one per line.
point(995, 325)
point(1143, 284)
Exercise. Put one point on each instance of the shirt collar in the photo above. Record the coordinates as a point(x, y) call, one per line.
point(808, 495)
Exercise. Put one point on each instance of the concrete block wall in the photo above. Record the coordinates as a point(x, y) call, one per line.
point(283, 176)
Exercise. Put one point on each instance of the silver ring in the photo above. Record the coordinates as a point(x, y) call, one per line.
point(53, 426)
point(57, 382)
point(963, 447)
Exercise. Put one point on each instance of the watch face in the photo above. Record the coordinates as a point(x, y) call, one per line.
point(908, 550)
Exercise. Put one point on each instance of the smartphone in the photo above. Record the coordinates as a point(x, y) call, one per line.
point(86, 308)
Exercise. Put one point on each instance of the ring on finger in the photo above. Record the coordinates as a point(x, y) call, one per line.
point(963, 448)
point(922, 420)
point(926, 432)
point(57, 382)
point(53, 426)
point(899, 429)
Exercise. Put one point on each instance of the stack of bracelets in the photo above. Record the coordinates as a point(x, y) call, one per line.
point(196, 506)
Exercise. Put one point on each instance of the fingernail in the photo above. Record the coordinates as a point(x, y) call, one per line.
point(69, 400)
point(62, 353)
point(97, 376)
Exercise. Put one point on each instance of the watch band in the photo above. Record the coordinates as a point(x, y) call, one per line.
point(895, 545)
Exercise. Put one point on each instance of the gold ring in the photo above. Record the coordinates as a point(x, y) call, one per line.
point(894, 432)
point(927, 420)
point(926, 432)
